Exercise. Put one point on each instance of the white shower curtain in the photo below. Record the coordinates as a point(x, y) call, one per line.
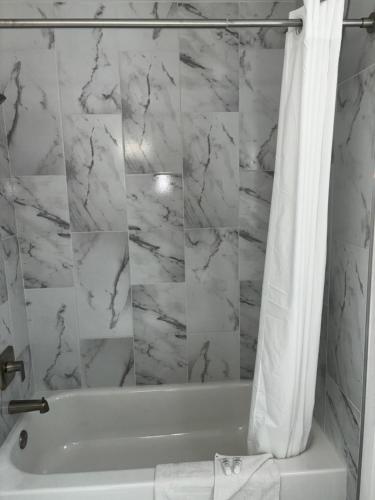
point(285, 373)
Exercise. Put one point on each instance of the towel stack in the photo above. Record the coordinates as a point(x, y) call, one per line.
point(228, 478)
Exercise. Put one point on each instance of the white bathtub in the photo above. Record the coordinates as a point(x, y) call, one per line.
point(104, 444)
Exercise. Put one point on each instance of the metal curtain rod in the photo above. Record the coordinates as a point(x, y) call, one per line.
point(366, 22)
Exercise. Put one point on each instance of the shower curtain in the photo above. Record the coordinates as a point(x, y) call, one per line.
point(285, 374)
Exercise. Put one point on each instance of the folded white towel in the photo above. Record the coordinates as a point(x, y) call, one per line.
point(229, 478)
point(246, 478)
point(185, 481)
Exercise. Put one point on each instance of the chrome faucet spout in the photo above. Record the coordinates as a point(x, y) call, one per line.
point(27, 405)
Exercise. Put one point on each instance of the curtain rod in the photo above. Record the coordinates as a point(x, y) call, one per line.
point(365, 22)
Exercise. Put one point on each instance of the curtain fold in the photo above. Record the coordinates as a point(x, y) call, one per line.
point(285, 373)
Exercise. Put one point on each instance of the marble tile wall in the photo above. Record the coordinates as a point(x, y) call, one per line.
point(13, 322)
point(142, 166)
point(340, 384)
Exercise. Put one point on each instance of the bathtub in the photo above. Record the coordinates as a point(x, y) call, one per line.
point(104, 444)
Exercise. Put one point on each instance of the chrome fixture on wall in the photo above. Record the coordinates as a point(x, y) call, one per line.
point(9, 367)
point(28, 405)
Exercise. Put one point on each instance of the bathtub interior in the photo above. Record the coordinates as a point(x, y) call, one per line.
point(114, 429)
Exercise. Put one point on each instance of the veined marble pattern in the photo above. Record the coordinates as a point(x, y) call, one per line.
point(255, 204)
point(5, 326)
point(155, 201)
point(44, 231)
point(7, 220)
point(255, 201)
point(153, 144)
point(320, 397)
point(342, 425)
point(16, 295)
point(213, 307)
point(21, 39)
point(95, 172)
point(107, 362)
point(156, 256)
point(103, 285)
point(28, 79)
point(357, 47)
point(88, 63)
point(347, 318)
point(159, 308)
point(53, 338)
point(211, 170)
point(147, 39)
point(213, 357)
point(209, 60)
point(4, 155)
point(160, 358)
point(211, 254)
point(160, 333)
point(264, 38)
point(250, 299)
point(26, 388)
point(260, 86)
point(3, 283)
point(7, 421)
point(354, 159)
point(149, 83)
point(150, 106)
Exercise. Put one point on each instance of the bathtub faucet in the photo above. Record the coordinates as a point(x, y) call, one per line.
point(27, 405)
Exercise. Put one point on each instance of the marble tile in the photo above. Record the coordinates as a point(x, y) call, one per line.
point(211, 170)
point(53, 338)
point(209, 62)
point(95, 172)
point(150, 106)
point(255, 204)
point(103, 285)
point(357, 45)
point(147, 39)
point(28, 79)
point(213, 357)
point(26, 387)
point(89, 76)
point(342, 425)
point(153, 144)
point(156, 256)
point(107, 362)
point(354, 158)
point(16, 297)
point(155, 201)
point(4, 155)
point(264, 38)
point(44, 231)
point(160, 333)
point(7, 421)
point(252, 254)
point(5, 326)
point(160, 358)
point(3, 282)
point(211, 254)
point(250, 299)
point(21, 39)
point(7, 219)
point(320, 398)
point(149, 83)
point(347, 318)
point(260, 86)
point(213, 307)
point(159, 308)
